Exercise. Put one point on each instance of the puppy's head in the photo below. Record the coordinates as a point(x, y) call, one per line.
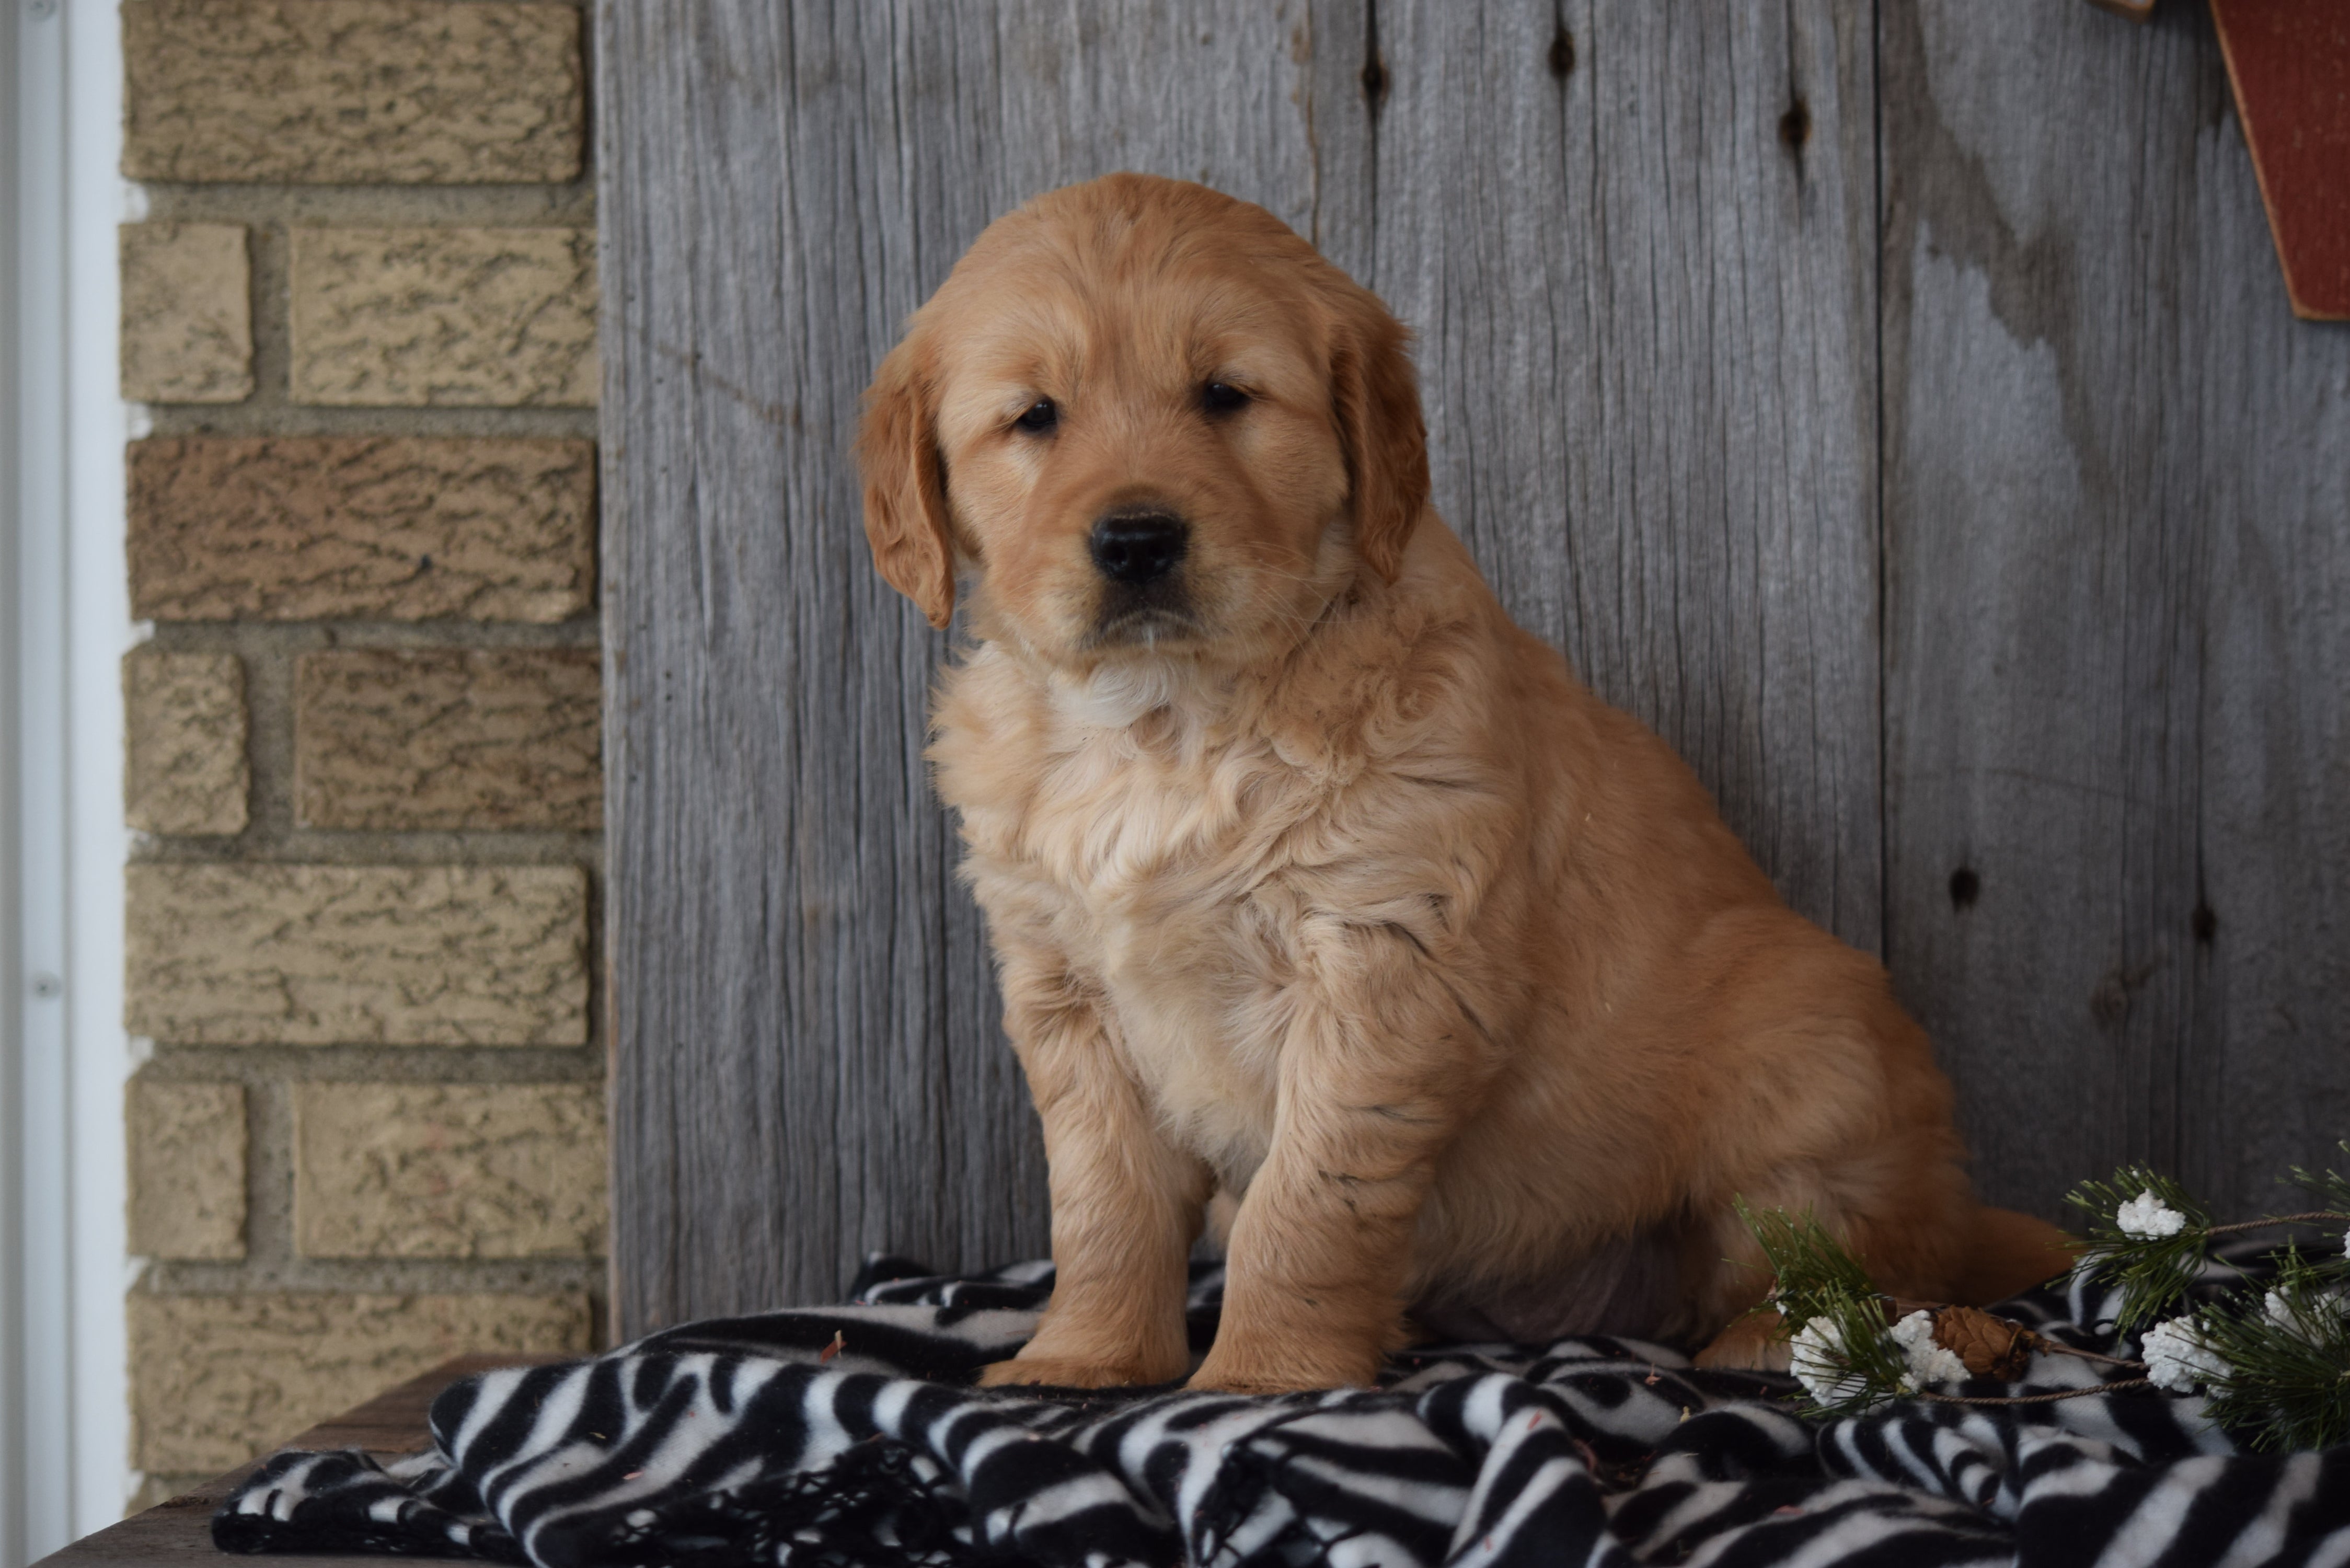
point(1146, 420)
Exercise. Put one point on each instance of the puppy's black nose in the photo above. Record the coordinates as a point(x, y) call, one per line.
point(1139, 546)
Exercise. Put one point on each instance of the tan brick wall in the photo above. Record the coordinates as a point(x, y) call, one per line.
point(187, 316)
point(399, 738)
point(217, 1379)
point(184, 728)
point(366, 527)
point(362, 742)
point(449, 1170)
point(404, 317)
point(351, 93)
point(187, 1170)
point(358, 955)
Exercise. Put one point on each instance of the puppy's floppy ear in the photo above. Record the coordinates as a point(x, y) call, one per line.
point(1378, 402)
point(905, 484)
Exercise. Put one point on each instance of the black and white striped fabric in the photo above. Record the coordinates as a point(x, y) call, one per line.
point(849, 1435)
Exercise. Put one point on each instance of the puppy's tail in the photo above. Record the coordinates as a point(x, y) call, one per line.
point(2010, 1252)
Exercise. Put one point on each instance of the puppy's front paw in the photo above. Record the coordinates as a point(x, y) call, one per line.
point(1066, 1372)
point(1755, 1343)
point(1309, 1369)
point(1239, 1382)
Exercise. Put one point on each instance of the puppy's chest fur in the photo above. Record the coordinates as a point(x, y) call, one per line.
point(1168, 859)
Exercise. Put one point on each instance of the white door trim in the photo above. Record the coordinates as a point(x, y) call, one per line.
point(65, 1433)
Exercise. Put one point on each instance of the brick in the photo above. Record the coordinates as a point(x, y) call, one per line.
point(183, 714)
point(187, 1170)
point(444, 317)
point(288, 528)
point(351, 91)
point(216, 1379)
point(376, 955)
point(187, 314)
point(448, 738)
point(449, 1170)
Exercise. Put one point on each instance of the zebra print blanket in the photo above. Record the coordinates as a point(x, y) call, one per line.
point(848, 1435)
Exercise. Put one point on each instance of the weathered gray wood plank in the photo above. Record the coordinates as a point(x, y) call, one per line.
point(2118, 527)
point(1647, 290)
point(1646, 316)
point(1645, 283)
point(807, 1063)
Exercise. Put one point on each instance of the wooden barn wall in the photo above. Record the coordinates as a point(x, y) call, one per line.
point(2118, 610)
point(1895, 404)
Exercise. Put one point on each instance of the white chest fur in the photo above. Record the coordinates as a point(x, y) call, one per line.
point(1151, 847)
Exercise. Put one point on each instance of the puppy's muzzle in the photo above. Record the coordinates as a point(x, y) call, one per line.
point(1138, 548)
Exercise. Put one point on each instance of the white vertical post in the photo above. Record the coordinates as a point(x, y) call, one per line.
point(64, 1429)
point(42, 1412)
point(99, 633)
point(14, 1276)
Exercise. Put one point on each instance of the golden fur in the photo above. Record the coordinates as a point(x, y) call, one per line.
point(1316, 881)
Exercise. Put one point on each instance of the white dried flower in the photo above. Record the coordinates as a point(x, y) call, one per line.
point(2148, 1218)
point(1928, 1362)
point(1817, 1360)
point(2305, 1319)
point(2177, 1358)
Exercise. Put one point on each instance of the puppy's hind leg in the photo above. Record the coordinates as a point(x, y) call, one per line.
point(1731, 1278)
point(1900, 1207)
point(1755, 1341)
point(2004, 1254)
point(2011, 1253)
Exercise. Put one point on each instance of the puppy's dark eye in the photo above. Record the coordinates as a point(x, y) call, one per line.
point(1038, 417)
point(1221, 398)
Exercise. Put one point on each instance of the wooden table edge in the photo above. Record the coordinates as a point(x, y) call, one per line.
point(393, 1422)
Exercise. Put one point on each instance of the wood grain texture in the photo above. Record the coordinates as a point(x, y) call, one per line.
point(2075, 637)
point(1645, 285)
point(808, 1065)
point(2117, 533)
point(1651, 414)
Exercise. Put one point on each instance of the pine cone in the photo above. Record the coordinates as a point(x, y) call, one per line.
point(1990, 1346)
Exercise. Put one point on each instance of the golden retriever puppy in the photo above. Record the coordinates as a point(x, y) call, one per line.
point(1313, 880)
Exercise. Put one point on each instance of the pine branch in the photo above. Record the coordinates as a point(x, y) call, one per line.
point(2152, 1271)
point(1810, 1267)
point(2314, 1217)
point(2329, 1187)
point(1834, 1313)
point(2049, 1398)
point(2286, 1383)
point(2274, 1362)
point(1844, 1347)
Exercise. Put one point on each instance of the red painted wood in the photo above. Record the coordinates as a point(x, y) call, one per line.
point(2290, 61)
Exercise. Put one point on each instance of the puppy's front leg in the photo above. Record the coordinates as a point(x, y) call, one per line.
point(1126, 1202)
point(1380, 1066)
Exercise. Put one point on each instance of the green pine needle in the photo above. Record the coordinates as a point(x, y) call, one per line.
point(1811, 1267)
point(2329, 1187)
point(2152, 1272)
point(2288, 1383)
point(2284, 1341)
point(1861, 1368)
